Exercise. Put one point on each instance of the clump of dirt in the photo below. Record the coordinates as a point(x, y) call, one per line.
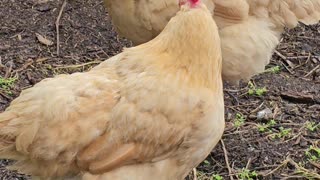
point(271, 130)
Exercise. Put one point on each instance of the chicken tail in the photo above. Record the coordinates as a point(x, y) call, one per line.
point(7, 137)
point(287, 13)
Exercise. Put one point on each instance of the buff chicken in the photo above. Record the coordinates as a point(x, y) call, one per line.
point(154, 111)
point(249, 29)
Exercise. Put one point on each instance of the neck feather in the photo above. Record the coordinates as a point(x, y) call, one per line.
point(189, 45)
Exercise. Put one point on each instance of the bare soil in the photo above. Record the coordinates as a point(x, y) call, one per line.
point(269, 135)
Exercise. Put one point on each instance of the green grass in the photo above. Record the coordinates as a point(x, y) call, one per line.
point(265, 127)
point(275, 70)
point(283, 133)
point(239, 121)
point(253, 90)
point(7, 84)
point(312, 126)
point(313, 153)
point(246, 174)
point(216, 177)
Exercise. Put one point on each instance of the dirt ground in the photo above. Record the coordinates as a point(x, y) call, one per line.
point(273, 123)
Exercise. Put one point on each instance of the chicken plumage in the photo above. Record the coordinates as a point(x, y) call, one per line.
point(249, 29)
point(286, 13)
point(153, 111)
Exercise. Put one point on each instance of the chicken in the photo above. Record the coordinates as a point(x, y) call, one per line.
point(249, 29)
point(248, 45)
point(154, 110)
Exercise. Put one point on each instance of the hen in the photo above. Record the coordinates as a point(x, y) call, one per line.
point(249, 29)
point(155, 110)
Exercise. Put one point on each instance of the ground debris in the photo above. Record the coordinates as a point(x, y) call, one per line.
point(297, 97)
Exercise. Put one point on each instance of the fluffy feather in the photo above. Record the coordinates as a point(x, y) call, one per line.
point(286, 13)
point(249, 29)
point(155, 110)
point(246, 52)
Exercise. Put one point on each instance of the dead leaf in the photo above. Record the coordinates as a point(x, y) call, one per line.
point(44, 40)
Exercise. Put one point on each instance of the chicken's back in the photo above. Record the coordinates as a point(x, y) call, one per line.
point(140, 21)
point(230, 12)
point(247, 48)
point(286, 13)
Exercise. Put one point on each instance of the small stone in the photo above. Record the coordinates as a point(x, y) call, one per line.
point(265, 114)
point(43, 8)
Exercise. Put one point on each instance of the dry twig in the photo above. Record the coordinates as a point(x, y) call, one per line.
point(284, 163)
point(77, 65)
point(312, 71)
point(317, 165)
point(195, 174)
point(57, 26)
point(226, 159)
point(304, 171)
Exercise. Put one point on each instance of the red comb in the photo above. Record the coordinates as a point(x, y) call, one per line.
point(192, 2)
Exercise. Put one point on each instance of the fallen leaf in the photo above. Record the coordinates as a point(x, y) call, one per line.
point(44, 40)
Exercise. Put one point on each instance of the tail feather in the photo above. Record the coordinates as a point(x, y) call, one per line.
point(305, 10)
point(316, 4)
point(287, 13)
point(7, 137)
point(282, 15)
point(6, 133)
point(8, 151)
